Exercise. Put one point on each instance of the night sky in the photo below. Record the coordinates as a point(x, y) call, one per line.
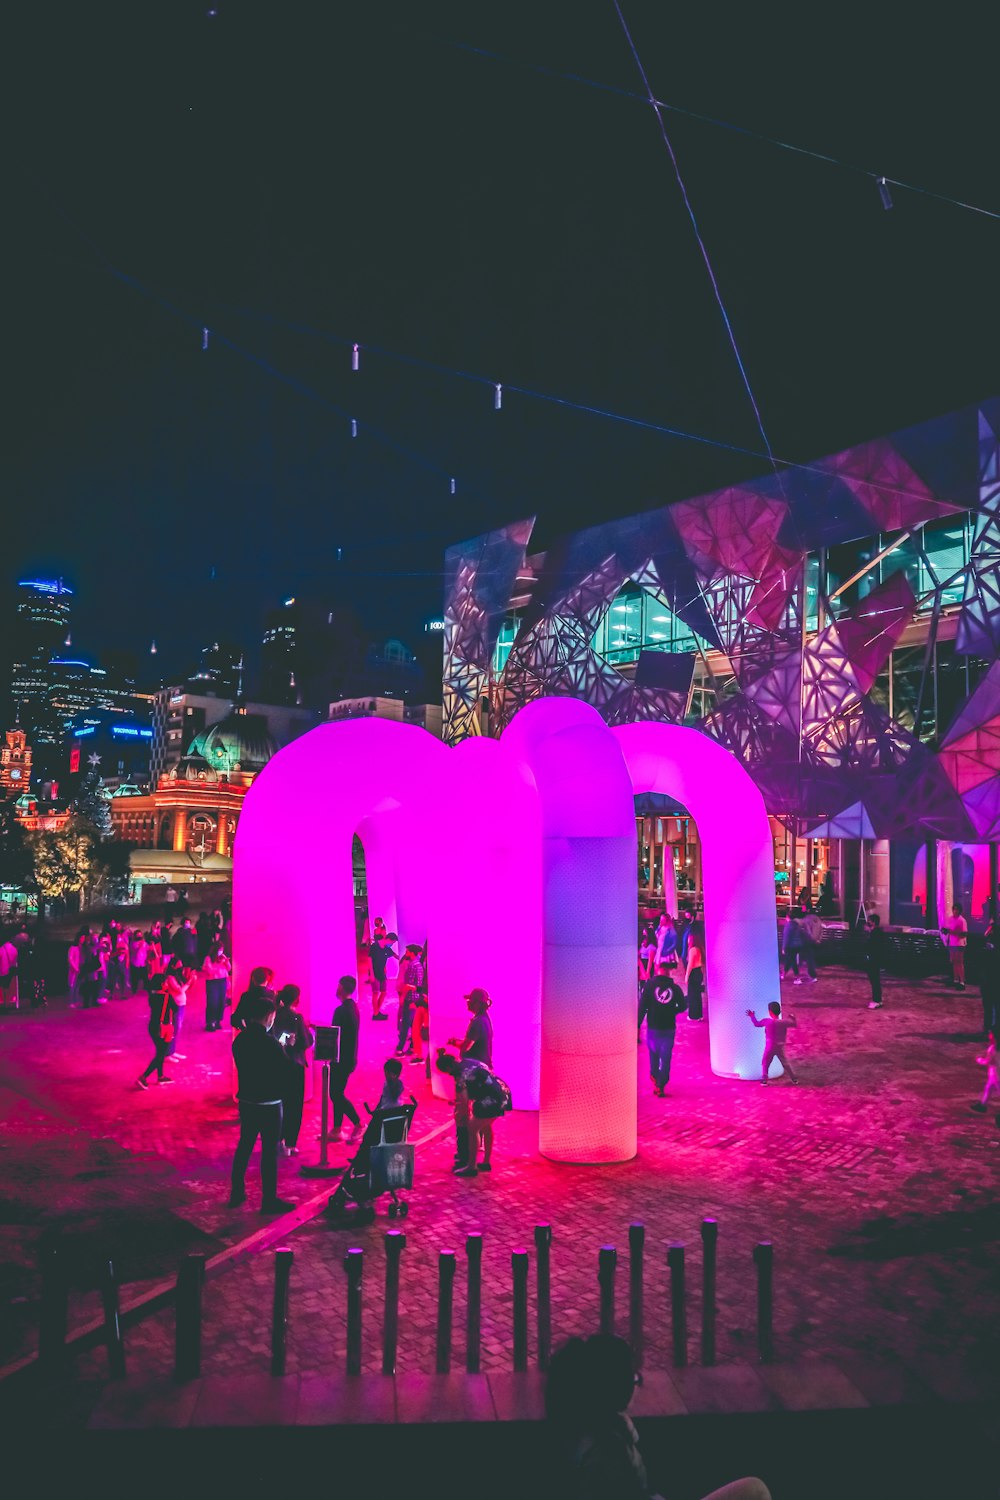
point(297, 177)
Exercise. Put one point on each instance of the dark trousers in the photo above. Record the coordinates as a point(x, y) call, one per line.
point(117, 980)
point(991, 1007)
point(161, 1050)
point(262, 1120)
point(215, 1002)
point(405, 1021)
point(462, 1157)
point(696, 988)
point(661, 1046)
point(875, 980)
point(90, 988)
point(292, 1102)
point(339, 1074)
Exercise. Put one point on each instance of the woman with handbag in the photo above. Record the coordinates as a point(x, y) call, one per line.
point(162, 1018)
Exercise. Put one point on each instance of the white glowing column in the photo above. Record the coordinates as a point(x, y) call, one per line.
point(483, 881)
point(588, 865)
point(737, 860)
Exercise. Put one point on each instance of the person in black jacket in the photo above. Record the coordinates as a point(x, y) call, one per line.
point(261, 980)
point(261, 1066)
point(348, 1018)
point(874, 958)
point(296, 1038)
point(662, 1002)
point(162, 1025)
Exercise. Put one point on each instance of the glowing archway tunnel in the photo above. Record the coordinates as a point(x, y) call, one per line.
point(515, 860)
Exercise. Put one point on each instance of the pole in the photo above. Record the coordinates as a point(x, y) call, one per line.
point(395, 1244)
point(519, 1266)
point(543, 1283)
point(446, 1286)
point(112, 1322)
point(187, 1323)
point(636, 1250)
point(54, 1311)
point(764, 1260)
point(678, 1304)
point(354, 1262)
point(607, 1263)
point(474, 1306)
point(322, 1167)
point(279, 1315)
point(709, 1240)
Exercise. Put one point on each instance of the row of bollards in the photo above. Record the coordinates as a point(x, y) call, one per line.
point(191, 1280)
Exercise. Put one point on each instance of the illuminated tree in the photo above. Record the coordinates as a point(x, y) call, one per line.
point(92, 802)
point(64, 860)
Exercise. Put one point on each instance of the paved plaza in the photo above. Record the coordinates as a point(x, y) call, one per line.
point(872, 1177)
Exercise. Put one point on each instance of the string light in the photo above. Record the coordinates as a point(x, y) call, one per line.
point(204, 339)
point(354, 427)
point(497, 396)
point(884, 193)
point(452, 485)
point(356, 357)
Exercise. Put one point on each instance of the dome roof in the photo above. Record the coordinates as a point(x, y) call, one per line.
point(192, 767)
point(238, 743)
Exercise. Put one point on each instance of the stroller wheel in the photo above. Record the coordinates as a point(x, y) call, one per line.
point(404, 1209)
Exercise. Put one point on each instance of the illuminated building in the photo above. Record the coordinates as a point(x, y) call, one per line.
point(15, 763)
point(41, 627)
point(179, 717)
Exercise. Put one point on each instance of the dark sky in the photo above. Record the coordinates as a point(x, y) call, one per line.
point(351, 170)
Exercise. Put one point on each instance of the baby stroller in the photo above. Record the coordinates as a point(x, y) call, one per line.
point(383, 1163)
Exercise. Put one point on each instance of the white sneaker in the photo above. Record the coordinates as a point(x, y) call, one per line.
point(796, 981)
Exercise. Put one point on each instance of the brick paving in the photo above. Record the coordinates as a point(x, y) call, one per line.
point(875, 1182)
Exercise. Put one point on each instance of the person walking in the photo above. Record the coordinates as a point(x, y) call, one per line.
point(296, 1038)
point(662, 1002)
point(874, 957)
point(477, 1044)
point(348, 1018)
point(261, 1067)
point(162, 1018)
point(956, 936)
point(775, 1035)
point(989, 1062)
point(812, 930)
point(791, 945)
point(694, 979)
point(989, 980)
point(216, 969)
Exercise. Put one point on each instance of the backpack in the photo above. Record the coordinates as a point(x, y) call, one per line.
point(494, 1101)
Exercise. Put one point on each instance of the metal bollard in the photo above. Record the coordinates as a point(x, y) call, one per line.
point(519, 1264)
point(112, 1322)
point(446, 1285)
point(543, 1285)
point(636, 1249)
point(607, 1264)
point(678, 1304)
point(54, 1310)
point(187, 1318)
point(395, 1244)
point(354, 1262)
point(279, 1315)
point(474, 1308)
point(709, 1241)
point(323, 1167)
point(763, 1255)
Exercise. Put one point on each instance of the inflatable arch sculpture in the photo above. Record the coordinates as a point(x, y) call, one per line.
point(516, 860)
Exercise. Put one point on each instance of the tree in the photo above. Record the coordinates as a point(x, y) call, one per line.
point(64, 860)
point(112, 870)
point(92, 802)
point(15, 855)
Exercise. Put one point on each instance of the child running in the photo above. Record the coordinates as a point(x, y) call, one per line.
point(775, 1033)
point(989, 1062)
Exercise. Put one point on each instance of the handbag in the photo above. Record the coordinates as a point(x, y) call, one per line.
point(166, 1027)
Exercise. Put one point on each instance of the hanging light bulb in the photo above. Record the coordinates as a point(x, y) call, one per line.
point(204, 339)
point(356, 357)
point(340, 558)
point(152, 649)
point(452, 484)
point(884, 193)
point(497, 396)
point(354, 427)
point(69, 639)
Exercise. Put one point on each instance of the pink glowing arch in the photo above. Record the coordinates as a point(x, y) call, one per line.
point(737, 876)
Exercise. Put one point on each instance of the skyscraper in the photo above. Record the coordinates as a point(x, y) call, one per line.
point(41, 626)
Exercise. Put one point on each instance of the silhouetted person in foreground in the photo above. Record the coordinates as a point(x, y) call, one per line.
point(261, 1065)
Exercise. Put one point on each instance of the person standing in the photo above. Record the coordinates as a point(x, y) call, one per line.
point(185, 944)
point(477, 1044)
point(956, 936)
point(666, 942)
point(261, 980)
point(138, 955)
point(91, 973)
point(73, 968)
point(695, 976)
point(380, 951)
point(8, 975)
point(216, 970)
point(775, 1035)
point(177, 980)
point(662, 1003)
point(260, 1067)
point(348, 1018)
point(874, 958)
point(162, 1018)
point(411, 975)
point(989, 980)
point(488, 1097)
point(989, 1062)
point(791, 945)
point(296, 1038)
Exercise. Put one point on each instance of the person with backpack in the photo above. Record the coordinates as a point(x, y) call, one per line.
point(662, 1002)
point(487, 1098)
